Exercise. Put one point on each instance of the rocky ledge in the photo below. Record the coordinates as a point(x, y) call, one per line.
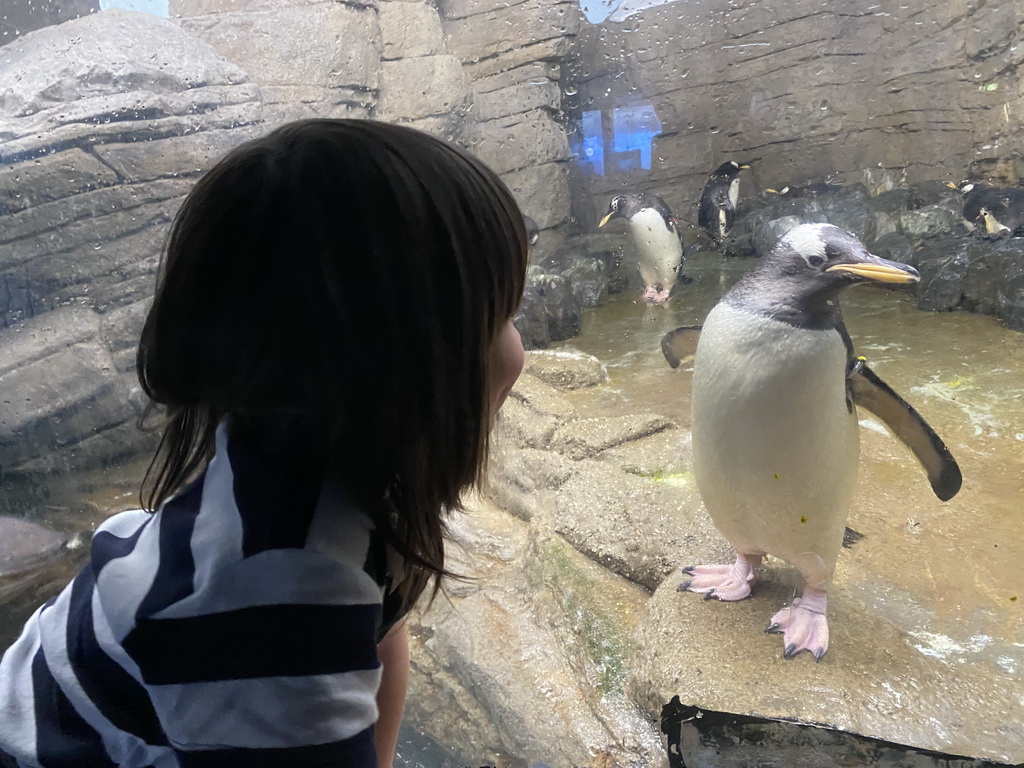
point(571, 610)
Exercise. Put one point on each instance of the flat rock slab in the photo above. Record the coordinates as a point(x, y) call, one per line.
point(874, 680)
point(25, 545)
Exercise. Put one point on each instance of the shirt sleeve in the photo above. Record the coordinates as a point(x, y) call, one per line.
point(275, 664)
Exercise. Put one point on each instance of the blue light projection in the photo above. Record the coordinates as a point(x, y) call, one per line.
point(633, 130)
point(591, 148)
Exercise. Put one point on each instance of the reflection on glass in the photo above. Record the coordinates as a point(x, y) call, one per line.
point(854, 116)
point(633, 129)
point(155, 7)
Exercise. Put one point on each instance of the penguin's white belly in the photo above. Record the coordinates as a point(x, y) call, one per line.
point(775, 446)
point(660, 250)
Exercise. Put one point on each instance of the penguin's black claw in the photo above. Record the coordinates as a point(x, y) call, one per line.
point(818, 654)
point(684, 586)
point(773, 629)
point(709, 594)
point(689, 569)
point(790, 651)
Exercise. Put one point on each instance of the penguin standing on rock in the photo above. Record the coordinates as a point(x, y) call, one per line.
point(776, 386)
point(654, 230)
point(717, 208)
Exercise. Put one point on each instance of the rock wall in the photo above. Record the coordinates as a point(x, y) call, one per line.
point(481, 73)
point(21, 16)
point(883, 94)
point(106, 121)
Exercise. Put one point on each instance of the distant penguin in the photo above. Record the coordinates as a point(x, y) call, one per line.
point(972, 200)
point(993, 211)
point(1002, 214)
point(654, 230)
point(776, 386)
point(991, 226)
point(717, 208)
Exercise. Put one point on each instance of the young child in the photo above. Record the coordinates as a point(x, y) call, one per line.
point(331, 337)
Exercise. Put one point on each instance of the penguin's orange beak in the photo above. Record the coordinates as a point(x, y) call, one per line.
point(605, 219)
point(880, 271)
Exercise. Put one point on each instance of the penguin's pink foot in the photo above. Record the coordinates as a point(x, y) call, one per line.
point(803, 624)
point(655, 294)
point(723, 582)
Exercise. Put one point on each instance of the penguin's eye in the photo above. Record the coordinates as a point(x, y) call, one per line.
point(815, 261)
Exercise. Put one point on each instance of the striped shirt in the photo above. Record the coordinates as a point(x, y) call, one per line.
point(237, 626)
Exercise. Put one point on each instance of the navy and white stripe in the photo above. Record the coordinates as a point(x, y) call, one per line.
point(236, 626)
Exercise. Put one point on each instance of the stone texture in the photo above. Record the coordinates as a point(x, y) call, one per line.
point(883, 97)
point(420, 87)
point(505, 28)
point(110, 76)
point(328, 44)
point(55, 401)
point(890, 691)
point(175, 156)
point(25, 545)
point(566, 369)
point(627, 523)
point(519, 142)
point(36, 340)
point(517, 99)
point(586, 438)
point(542, 192)
point(188, 8)
point(524, 74)
point(544, 605)
point(32, 182)
point(409, 30)
point(961, 272)
point(91, 204)
point(21, 16)
point(104, 54)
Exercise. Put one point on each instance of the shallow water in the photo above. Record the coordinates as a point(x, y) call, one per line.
point(948, 574)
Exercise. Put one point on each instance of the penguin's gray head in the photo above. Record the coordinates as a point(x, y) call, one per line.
point(809, 266)
point(825, 255)
point(729, 170)
point(616, 209)
point(628, 206)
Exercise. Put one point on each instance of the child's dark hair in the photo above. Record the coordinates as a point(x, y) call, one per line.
point(352, 274)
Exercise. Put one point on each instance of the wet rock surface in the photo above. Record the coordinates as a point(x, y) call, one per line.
point(25, 545)
point(888, 692)
point(108, 119)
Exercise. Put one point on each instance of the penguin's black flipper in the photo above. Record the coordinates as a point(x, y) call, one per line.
point(873, 394)
point(679, 346)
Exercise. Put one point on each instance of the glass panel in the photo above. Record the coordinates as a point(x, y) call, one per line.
point(664, 151)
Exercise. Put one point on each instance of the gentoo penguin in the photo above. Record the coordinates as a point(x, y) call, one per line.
point(1002, 215)
point(776, 386)
point(972, 195)
point(1003, 208)
point(717, 208)
point(990, 225)
point(657, 240)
